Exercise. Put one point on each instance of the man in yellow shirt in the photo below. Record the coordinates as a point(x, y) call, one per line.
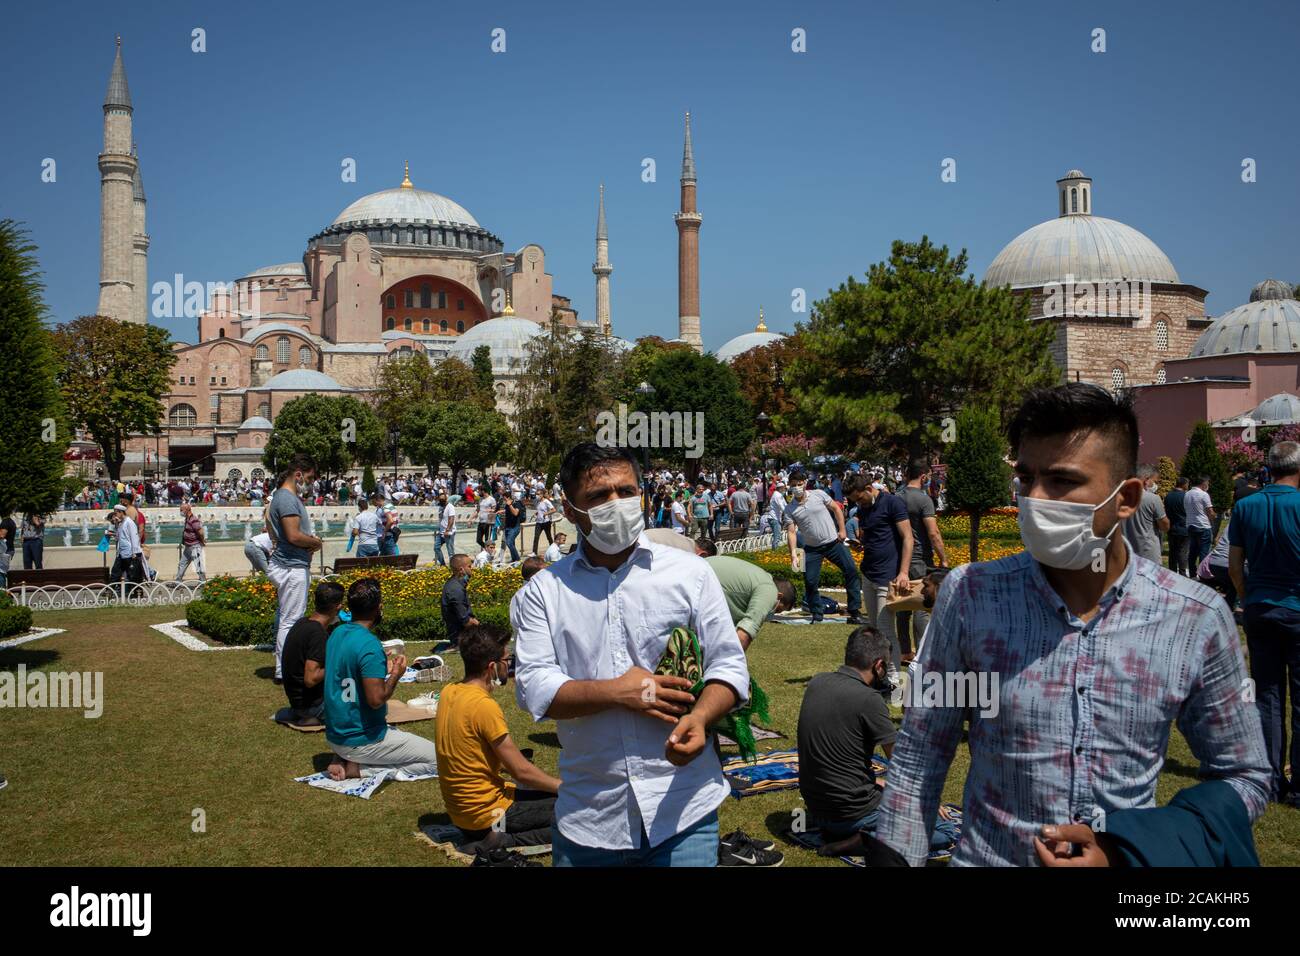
point(473, 744)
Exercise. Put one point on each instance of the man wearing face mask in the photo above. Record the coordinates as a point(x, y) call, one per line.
point(1148, 522)
point(290, 566)
point(641, 786)
point(814, 516)
point(1096, 650)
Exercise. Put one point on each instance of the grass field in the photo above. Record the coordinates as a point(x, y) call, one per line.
point(183, 730)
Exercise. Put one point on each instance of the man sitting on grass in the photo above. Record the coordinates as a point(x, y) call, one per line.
point(474, 743)
point(304, 657)
point(358, 682)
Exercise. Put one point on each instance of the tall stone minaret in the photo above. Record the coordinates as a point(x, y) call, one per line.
point(602, 268)
point(688, 252)
point(139, 249)
point(117, 170)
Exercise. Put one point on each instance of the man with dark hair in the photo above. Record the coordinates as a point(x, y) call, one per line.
point(1144, 526)
point(456, 611)
point(474, 744)
point(1096, 654)
point(640, 785)
point(927, 547)
point(752, 594)
point(1264, 562)
point(531, 565)
point(1176, 511)
point(367, 530)
point(814, 517)
point(705, 548)
point(886, 537)
point(304, 657)
point(359, 680)
point(290, 566)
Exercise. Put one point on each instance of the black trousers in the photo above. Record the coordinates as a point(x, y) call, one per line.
point(527, 822)
point(538, 531)
point(1178, 553)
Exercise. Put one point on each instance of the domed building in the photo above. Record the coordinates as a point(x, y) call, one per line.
point(747, 341)
point(1243, 369)
point(1118, 305)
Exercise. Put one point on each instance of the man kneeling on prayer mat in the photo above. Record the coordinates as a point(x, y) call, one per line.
point(359, 680)
point(303, 660)
point(474, 743)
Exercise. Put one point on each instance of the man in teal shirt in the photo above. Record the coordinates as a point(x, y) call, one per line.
point(359, 680)
point(1264, 563)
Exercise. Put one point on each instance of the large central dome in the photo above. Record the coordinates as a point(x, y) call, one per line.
point(405, 204)
point(1089, 248)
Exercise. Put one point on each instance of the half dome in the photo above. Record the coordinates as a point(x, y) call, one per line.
point(300, 380)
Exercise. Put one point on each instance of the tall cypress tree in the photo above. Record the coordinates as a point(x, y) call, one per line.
point(978, 476)
point(1203, 458)
point(35, 432)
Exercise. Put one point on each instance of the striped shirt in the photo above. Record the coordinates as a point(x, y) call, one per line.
point(1083, 710)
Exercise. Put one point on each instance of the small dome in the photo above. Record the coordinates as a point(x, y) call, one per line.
point(1073, 174)
point(1090, 248)
point(300, 380)
point(1282, 409)
point(745, 343)
point(506, 337)
point(1262, 325)
point(256, 423)
point(1272, 289)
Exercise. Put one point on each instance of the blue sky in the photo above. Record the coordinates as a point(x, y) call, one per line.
point(809, 164)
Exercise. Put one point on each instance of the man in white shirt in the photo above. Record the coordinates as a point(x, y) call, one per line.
point(487, 512)
point(679, 513)
point(446, 530)
point(556, 551)
point(775, 513)
point(486, 556)
point(641, 785)
point(366, 527)
point(1200, 514)
point(542, 517)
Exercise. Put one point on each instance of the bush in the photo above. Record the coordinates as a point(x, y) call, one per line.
point(1166, 475)
point(225, 626)
point(15, 620)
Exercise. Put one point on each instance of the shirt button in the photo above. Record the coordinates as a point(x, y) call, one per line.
point(1083, 690)
point(1078, 750)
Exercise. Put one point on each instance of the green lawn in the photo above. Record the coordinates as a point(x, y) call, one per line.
point(183, 730)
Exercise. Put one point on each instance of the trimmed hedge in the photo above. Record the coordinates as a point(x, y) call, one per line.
point(15, 620)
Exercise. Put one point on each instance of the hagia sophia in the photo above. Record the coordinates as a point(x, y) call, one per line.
point(405, 270)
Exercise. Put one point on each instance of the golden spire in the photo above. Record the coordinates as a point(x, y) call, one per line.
point(761, 327)
point(406, 178)
point(509, 309)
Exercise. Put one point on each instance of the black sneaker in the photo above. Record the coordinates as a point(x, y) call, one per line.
point(748, 855)
point(501, 857)
point(741, 839)
point(856, 620)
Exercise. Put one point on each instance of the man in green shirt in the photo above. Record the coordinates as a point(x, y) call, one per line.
point(752, 594)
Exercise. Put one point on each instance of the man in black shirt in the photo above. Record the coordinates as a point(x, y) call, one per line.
point(1176, 511)
point(843, 718)
point(456, 612)
point(303, 658)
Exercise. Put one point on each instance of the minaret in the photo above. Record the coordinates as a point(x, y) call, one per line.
point(602, 268)
point(139, 248)
point(117, 170)
point(688, 252)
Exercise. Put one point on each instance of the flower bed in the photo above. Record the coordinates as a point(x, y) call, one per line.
point(241, 611)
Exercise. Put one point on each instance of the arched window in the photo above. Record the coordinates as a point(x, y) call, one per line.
point(391, 301)
point(282, 350)
point(1074, 199)
point(426, 325)
point(183, 416)
point(442, 326)
point(1062, 202)
point(1085, 199)
point(1160, 375)
point(264, 410)
point(409, 298)
point(263, 353)
point(392, 323)
point(234, 474)
point(404, 351)
point(460, 326)
point(406, 324)
point(304, 356)
point(221, 333)
point(257, 474)
point(1116, 379)
point(1162, 335)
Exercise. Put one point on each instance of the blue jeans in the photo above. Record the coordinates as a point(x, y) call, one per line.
point(1273, 639)
point(694, 846)
point(833, 830)
point(367, 551)
point(837, 552)
point(508, 541)
point(1198, 546)
point(438, 540)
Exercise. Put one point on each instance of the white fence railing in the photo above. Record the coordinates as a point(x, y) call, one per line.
point(69, 597)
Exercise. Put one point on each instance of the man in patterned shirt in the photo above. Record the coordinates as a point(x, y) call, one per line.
point(1095, 650)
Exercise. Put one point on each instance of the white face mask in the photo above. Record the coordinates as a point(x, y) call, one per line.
point(615, 525)
point(1059, 533)
point(798, 492)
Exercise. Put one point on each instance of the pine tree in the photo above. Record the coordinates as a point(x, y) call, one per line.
point(978, 475)
point(35, 432)
point(368, 483)
point(1203, 459)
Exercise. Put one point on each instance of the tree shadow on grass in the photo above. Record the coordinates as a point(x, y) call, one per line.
point(12, 657)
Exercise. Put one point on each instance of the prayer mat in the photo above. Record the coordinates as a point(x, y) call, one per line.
point(281, 717)
point(771, 771)
point(760, 733)
point(399, 712)
point(948, 825)
point(371, 779)
point(453, 842)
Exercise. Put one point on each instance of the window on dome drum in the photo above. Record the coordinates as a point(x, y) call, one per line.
point(263, 353)
point(406, 324)
point(1062, 204)
point(442, 300)
point(1085, 200)
point(391, 302)
point(442, 326)
point(392, 323)
point(426, 325)
point(304, 356)
point(1074, 199)
point(1116, 378)
point(410, 298)
point(282, 350)
point(1162, 335)
point(460, 326)
point(183, 416)
point(1160, 375)
point(426, 296)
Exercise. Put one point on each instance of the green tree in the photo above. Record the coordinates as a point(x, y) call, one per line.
point(35, 432)
point(978, 475)
point(687, 382)
point(400, 382)
point(1203, 460)
point(481, 362)
point(457, 434)
point(762, 376)
point(113, 377)
point(368, 483)
point(892, 358)
point(337, 431)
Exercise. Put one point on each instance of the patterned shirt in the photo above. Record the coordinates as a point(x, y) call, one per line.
point(1083, 710)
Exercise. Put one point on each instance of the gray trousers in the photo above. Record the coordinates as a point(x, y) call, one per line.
point(256, 557)
point(874, 597)
point(192, 555)
point(399, 749)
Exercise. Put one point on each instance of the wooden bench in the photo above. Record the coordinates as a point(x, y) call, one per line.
point(58, 577)
point(732, 534)
point(402, 562)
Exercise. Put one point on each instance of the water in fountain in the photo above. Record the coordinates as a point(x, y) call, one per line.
point(224, 533)
point(324, 525)
point(157, 534)
point(85, 530)
point(248, 531)
point(67, 537)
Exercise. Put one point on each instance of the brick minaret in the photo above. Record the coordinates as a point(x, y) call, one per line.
point(117, 169)
point(688, 252)
point(601, 268)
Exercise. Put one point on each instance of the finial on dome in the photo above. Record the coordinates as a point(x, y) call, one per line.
point(406, 177)
point(119, 40)
point(509, 309)
point(762, 326)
